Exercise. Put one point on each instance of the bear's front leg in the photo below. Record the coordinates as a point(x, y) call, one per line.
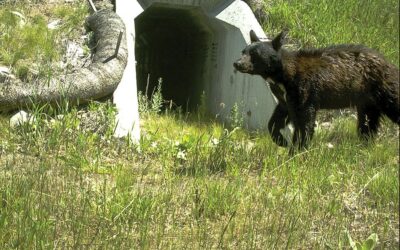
point(278, 121)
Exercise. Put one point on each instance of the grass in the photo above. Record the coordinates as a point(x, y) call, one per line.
point(195, 183)
point(326, 22)
point(27, 45)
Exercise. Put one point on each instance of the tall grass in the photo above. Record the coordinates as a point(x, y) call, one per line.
point(195, 185)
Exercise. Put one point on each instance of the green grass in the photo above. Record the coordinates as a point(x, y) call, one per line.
point(194, 183)
point(326, 22)
point(27, 46)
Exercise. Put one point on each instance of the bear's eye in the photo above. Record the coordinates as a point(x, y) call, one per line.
point(253, 53)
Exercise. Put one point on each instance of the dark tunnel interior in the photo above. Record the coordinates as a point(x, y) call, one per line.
point(173, 43)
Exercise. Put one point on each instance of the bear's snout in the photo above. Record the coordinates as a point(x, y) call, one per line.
point(240, 66)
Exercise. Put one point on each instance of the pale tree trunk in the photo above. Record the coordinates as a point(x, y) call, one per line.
point(96, 81)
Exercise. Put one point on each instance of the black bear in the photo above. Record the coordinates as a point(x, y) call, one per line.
point(335, 77)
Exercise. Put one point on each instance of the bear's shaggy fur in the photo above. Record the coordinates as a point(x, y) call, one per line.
point(335, 77)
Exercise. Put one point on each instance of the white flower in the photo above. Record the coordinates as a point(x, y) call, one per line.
point(181, 155)
point(214, 141)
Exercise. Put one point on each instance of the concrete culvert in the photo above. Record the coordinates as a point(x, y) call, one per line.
point(173, 43)
point(191, 45)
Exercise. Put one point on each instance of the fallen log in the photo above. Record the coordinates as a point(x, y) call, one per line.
point(98, 80)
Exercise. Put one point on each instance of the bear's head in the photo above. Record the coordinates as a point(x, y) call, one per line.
point(261, 58)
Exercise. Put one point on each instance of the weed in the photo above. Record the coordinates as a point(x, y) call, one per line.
point(368, 244)
point(151, 103)
point(236, 116)
point(202, 108)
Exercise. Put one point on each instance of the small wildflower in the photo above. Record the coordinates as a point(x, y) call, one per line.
point(214, 141)
point(330, 145)
point(181, 155)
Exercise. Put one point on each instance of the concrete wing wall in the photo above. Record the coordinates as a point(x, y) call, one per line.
point(125, 96)
point(250, 93)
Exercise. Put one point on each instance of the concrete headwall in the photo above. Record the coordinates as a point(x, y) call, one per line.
point(191, 45)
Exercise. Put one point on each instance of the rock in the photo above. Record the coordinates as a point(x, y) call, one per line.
point(94, 121)
point(323, 125)
point(326, 125)
point(54, 24)
point(5, 73)
point(73, 53)
point(21, 118)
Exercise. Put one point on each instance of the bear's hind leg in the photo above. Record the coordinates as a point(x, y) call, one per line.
point(392, 110)
point(389, 100)
point(368, 121)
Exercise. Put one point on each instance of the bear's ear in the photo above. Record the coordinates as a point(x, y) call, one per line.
point(279, 40)
point(253, 37)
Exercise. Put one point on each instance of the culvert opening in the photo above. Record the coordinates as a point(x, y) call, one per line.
point(173, 43)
